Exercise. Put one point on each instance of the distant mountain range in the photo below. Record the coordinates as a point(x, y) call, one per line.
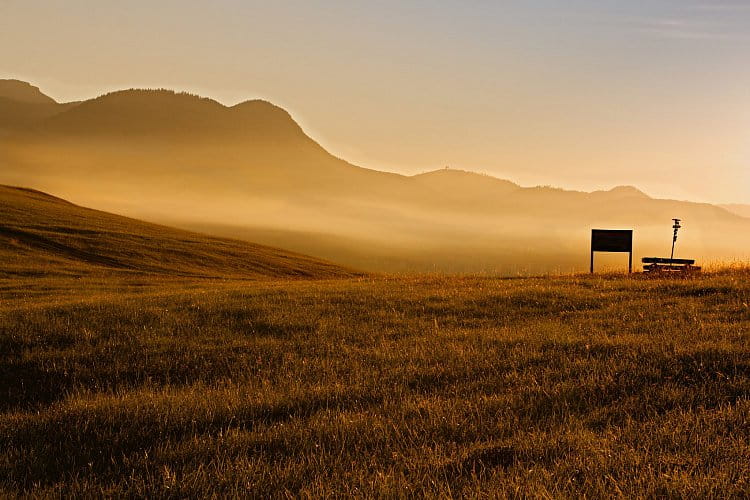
point(250, 171)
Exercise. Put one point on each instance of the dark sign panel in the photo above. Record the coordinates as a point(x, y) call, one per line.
point(611, 240)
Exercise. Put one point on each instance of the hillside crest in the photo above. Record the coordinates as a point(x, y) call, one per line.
point(20, 91)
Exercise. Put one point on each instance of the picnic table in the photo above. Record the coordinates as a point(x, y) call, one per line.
point(667, 265)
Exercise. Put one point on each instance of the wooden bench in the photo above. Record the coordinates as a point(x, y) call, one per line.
point(666, 265)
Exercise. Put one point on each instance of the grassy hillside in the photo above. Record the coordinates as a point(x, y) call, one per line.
point(42, 235)
point(547, 387)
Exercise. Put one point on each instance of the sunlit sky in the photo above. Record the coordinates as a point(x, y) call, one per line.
point(581, 94)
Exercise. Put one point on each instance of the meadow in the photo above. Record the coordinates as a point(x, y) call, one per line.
point(395, 386)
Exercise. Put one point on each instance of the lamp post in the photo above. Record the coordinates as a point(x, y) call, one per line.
point(676, 228)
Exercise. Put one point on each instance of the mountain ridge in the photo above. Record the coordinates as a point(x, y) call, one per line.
point(129, 98)
point(743, 210)
point(19, 90)
point(151, 111)
point(249, 169)
point(24, 106)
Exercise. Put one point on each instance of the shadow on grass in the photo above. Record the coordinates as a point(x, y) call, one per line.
point(67, 444)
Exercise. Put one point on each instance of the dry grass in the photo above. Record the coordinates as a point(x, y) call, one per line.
point(43, 236)
point(551, 387)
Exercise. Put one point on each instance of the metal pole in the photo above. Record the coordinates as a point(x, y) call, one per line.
point(630, 262)
point(671, 257)
point(676, 226)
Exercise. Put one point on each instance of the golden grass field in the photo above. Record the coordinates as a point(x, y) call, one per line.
point(142, 361)
point(376, 386)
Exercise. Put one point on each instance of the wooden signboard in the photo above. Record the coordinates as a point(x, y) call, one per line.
point(612, 240)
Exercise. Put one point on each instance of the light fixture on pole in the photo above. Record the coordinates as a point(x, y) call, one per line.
point(676, 228)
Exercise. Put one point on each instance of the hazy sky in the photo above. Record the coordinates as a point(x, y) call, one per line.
point(578, 93)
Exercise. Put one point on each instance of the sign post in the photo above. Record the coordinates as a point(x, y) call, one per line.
point(612, 240)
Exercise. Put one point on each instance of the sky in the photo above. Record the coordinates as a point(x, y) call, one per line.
point(580, 94)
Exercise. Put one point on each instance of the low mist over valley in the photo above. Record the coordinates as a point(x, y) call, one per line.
point(250, 172)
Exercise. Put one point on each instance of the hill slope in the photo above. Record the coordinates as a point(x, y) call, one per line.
point(739, 209)
point(41, 234)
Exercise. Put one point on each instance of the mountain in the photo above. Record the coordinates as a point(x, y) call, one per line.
point(17, 90)
point(183, 140)
point(738, 209)
point(622, 192)
point(22, 105)
point(251, 171)
point(453, 185)
point(163, 113)
point(44, 235)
